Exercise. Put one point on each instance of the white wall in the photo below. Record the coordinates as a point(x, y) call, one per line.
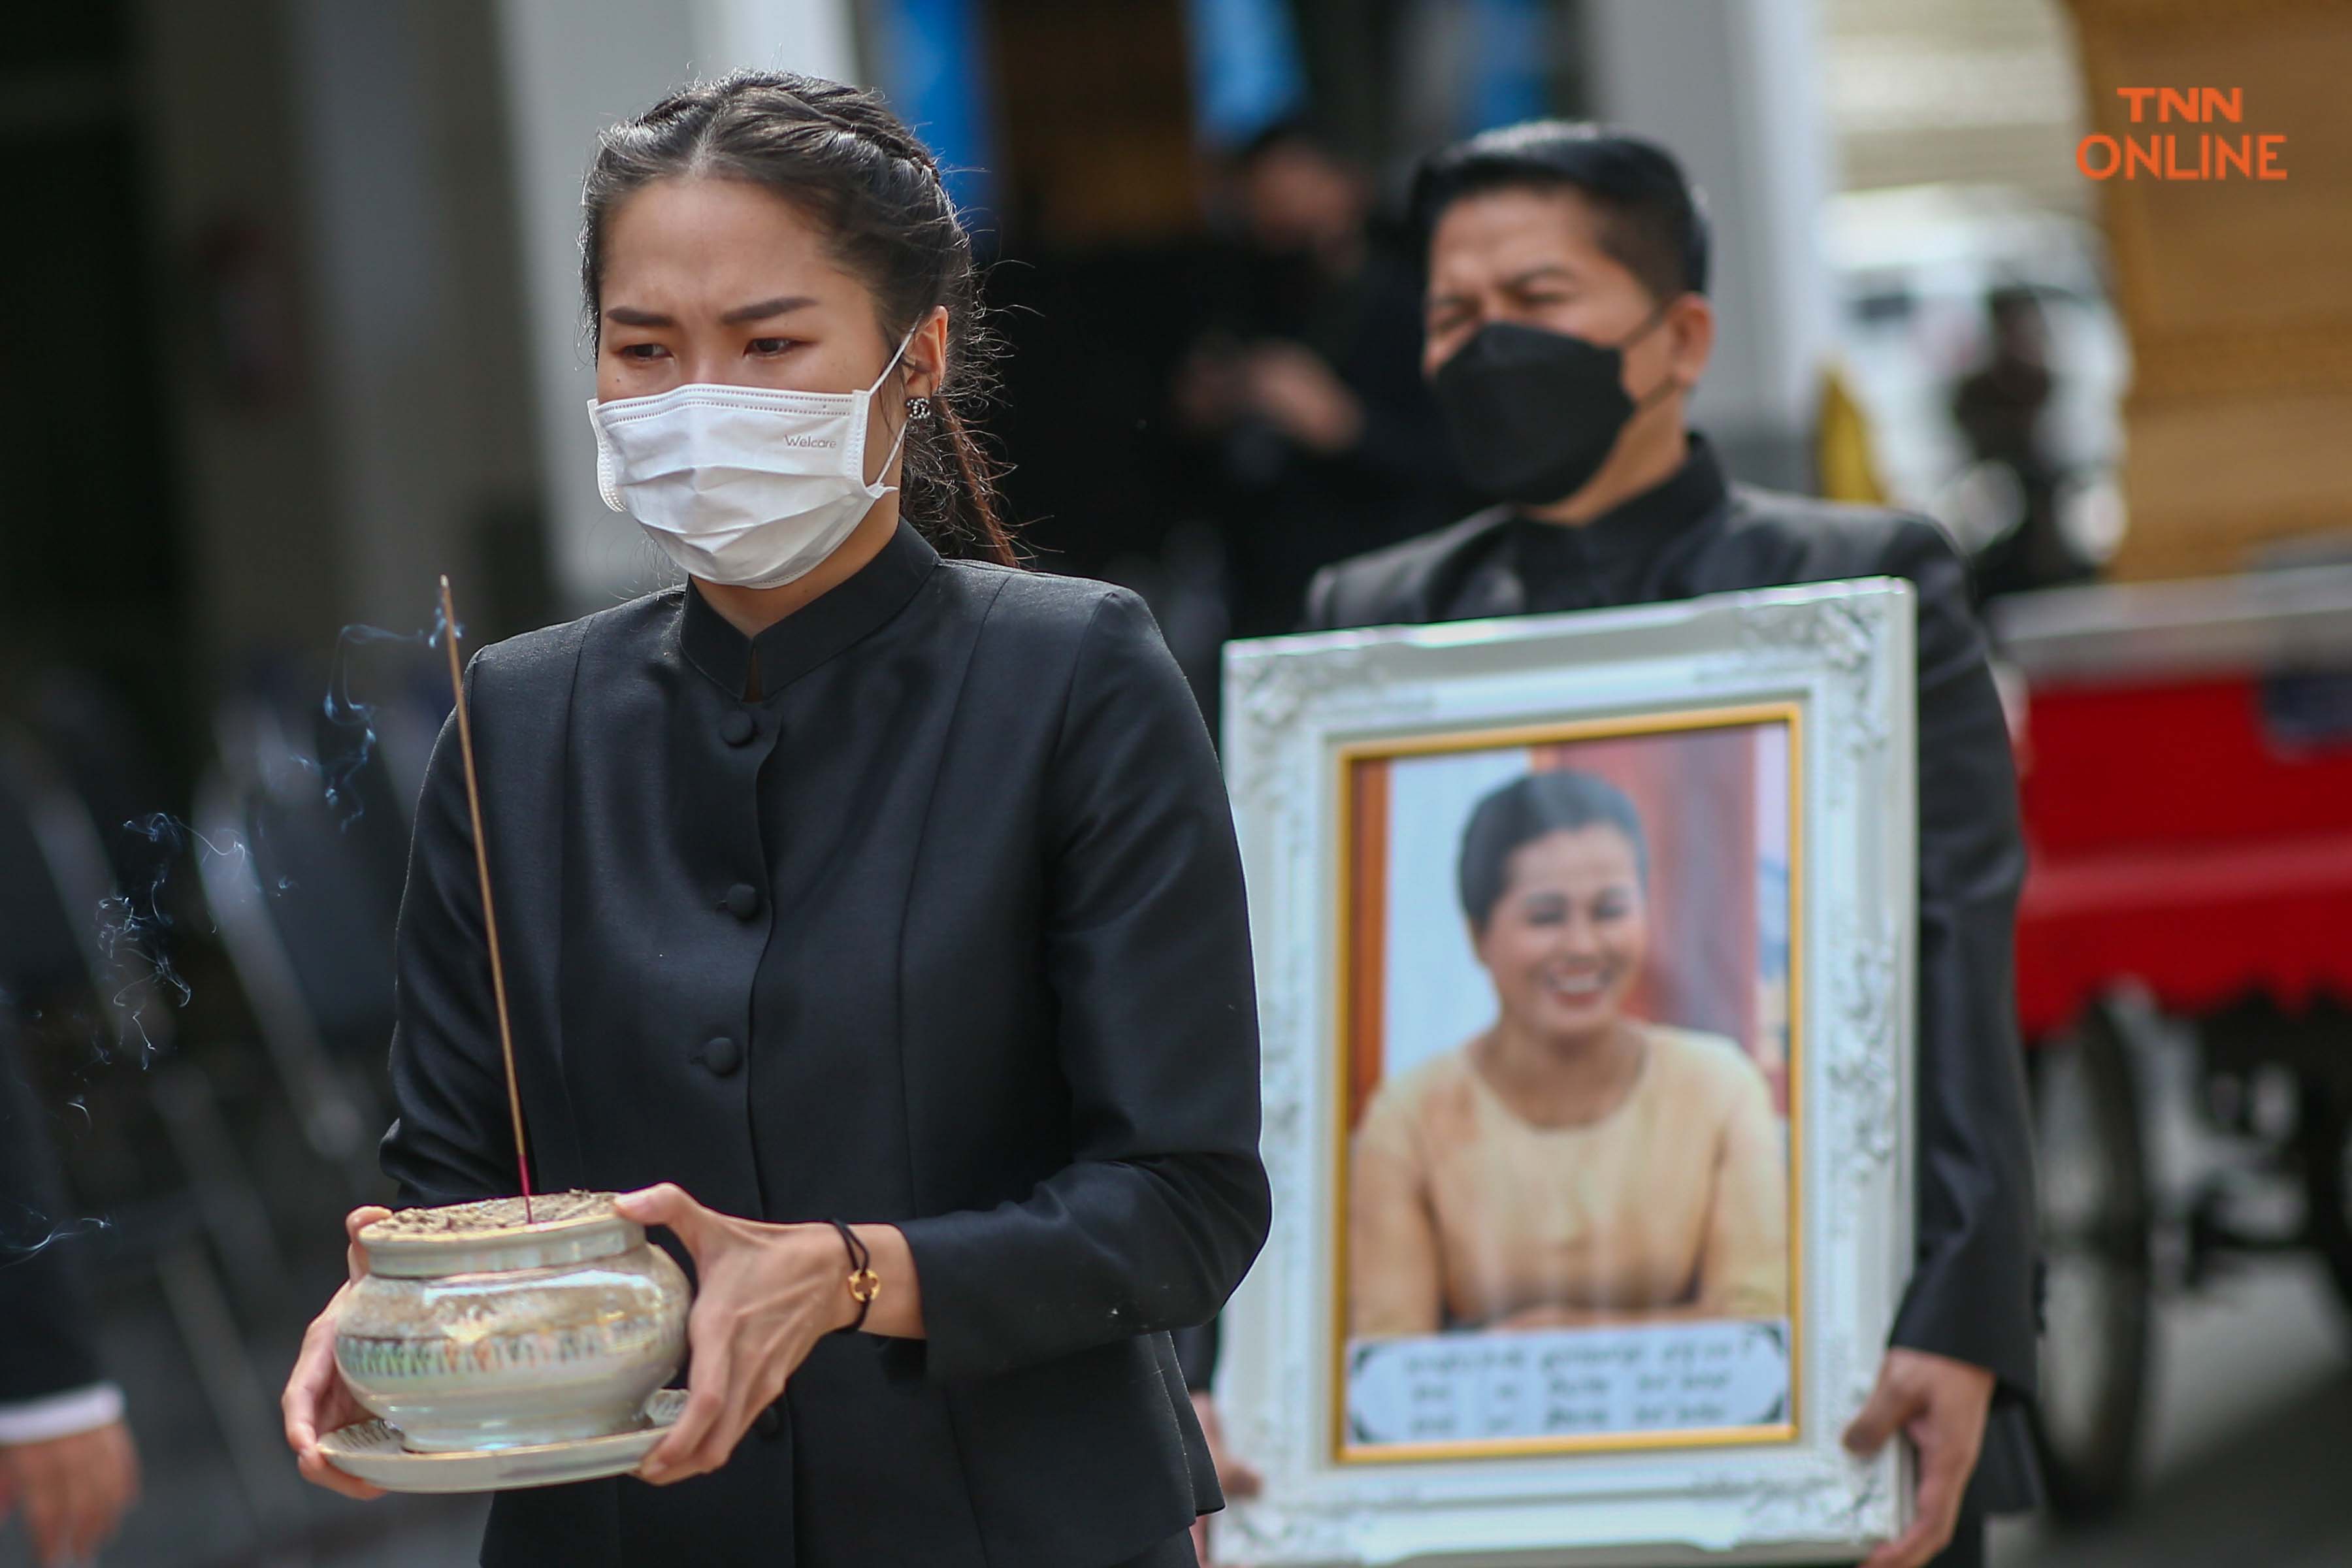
point(253, 495)
point(1733, 87)
point(572, 67)
point(385, 346)
point(356, 150)
point(1436, 994)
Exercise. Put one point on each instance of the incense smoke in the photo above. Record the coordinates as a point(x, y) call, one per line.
point(14, 1252)
point(136, 923)
point(348, 716)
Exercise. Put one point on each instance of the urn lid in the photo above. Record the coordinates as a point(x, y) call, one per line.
point(491, 1233)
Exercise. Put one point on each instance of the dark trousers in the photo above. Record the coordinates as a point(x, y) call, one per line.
point(1968, 1547)
point(1966, 1550)
point(1176, 1552)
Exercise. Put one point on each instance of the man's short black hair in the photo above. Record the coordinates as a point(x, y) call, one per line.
point(1652, 220)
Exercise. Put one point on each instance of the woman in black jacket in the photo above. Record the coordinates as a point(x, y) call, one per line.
point(843, 882)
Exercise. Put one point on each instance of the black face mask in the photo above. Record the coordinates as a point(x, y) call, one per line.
point(1534, 414)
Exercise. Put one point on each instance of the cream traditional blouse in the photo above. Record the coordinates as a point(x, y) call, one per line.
point(1462, 1215)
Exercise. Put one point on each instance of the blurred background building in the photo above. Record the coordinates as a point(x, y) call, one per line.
point(310, 330)
point(295, 289)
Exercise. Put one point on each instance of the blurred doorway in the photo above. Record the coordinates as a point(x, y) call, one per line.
point(92, 570)
point(1205, 399)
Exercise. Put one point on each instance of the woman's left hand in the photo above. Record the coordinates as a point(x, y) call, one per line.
point(765, 1295)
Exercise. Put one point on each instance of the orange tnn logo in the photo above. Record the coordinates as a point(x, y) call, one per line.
point(2183, 154)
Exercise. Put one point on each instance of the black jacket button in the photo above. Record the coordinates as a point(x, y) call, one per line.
point(742, 900)
point(769, 1422)
point(737, 729)
point(722, 1056)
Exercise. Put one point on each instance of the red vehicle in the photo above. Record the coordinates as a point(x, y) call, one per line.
point(2184, 952)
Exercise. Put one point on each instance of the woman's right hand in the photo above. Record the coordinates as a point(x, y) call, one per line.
point(316, 1399)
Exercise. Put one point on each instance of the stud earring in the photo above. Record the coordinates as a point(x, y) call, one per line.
point(918, 408)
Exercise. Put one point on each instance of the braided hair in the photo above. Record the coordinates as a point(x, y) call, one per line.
point(839, 154)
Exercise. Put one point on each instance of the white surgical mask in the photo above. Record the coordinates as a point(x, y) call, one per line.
point(743, 485)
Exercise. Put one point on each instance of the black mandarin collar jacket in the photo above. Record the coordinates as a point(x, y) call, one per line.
point(1973, 1293)
point(945, 929)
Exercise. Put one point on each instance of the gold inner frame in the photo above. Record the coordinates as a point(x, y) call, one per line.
point(1348, 755)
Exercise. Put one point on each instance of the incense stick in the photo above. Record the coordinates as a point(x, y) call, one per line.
point(482, 865)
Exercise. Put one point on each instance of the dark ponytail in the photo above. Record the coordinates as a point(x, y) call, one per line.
point(839, 154)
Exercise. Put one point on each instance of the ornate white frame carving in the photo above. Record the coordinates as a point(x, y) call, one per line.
point(1843, 654)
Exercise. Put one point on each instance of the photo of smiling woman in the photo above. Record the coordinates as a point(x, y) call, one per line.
point(1580, 1152)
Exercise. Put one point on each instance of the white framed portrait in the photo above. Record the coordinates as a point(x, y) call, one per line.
point(1585, 969)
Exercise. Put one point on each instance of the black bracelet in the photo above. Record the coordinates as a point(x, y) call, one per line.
point(863, 1283)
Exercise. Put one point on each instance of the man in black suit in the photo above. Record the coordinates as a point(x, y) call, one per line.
point(66, 1457)
point(1567, 324)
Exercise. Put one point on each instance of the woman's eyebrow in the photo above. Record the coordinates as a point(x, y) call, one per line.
point(764, 309)
point(630, 316)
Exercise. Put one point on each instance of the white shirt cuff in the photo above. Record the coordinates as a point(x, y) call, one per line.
point(60, 1415)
